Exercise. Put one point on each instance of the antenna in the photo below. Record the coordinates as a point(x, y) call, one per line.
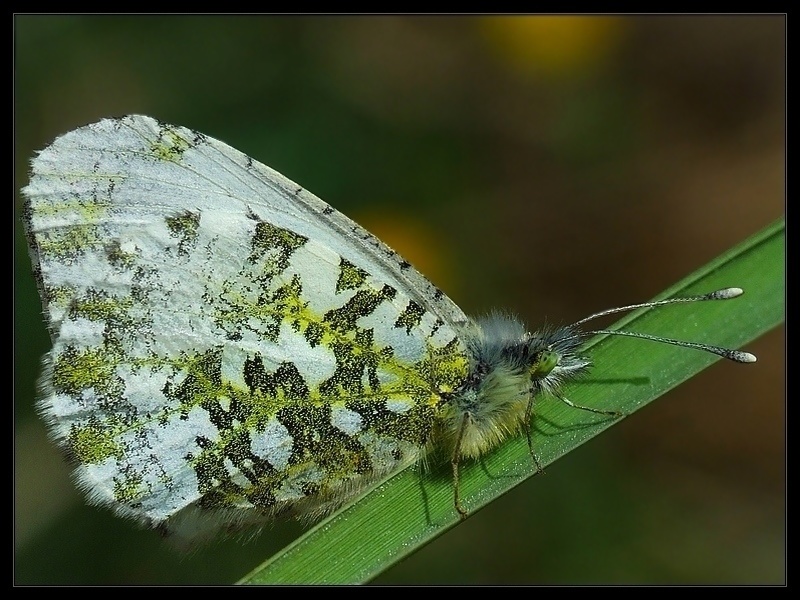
point(723, 294)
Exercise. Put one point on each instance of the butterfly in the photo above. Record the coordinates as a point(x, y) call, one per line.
point(228, 348)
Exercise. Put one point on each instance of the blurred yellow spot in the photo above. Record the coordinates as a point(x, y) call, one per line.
point(553, 45)
point(414, 242)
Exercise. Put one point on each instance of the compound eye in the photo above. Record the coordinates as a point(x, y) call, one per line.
point(544, 363)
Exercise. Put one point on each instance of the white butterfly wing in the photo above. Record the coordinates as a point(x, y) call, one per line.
point(221, 337)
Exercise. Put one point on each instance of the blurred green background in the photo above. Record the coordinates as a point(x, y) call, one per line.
point(549, 165)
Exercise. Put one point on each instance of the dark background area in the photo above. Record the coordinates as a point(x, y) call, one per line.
point(552, 166)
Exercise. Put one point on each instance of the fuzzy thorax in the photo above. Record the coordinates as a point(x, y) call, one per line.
point(509, 367)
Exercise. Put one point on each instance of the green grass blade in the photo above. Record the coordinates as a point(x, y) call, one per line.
point(410, 509)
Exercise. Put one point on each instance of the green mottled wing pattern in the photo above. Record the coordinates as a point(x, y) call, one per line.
point(224, 342)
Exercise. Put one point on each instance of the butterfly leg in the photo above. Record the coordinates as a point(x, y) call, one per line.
point(526, 424)
point(568, 402)
point(455, 462)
